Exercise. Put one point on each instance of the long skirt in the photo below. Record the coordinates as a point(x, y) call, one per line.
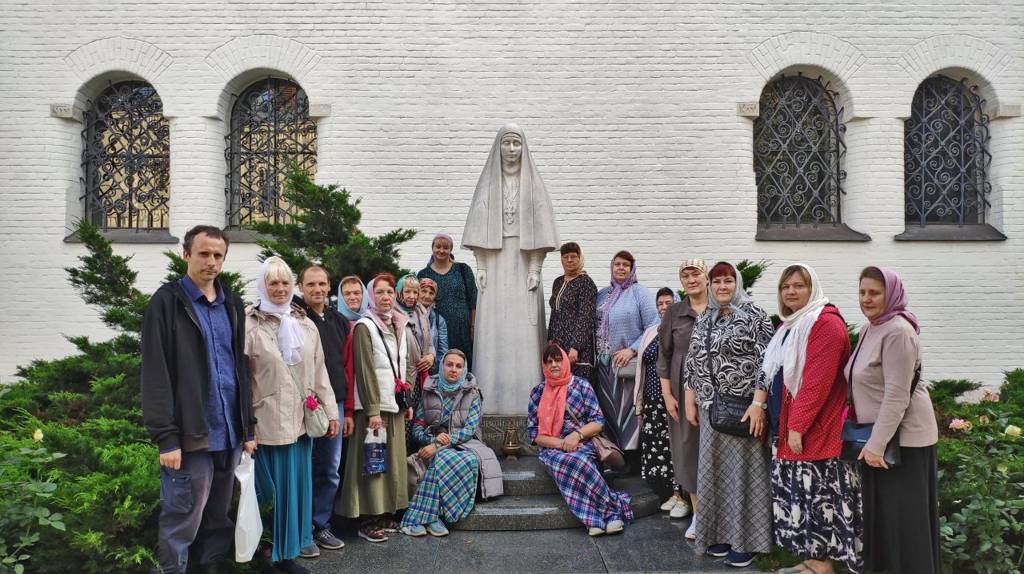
point(383, 493)
point(583, 487)
point(616, 396)
point(733, 491)
point(817, 510)
point(655, 452)
point(447, 489)
point(284, 481)
point(901, 514)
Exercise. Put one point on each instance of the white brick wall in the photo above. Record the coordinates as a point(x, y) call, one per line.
point(630, 109)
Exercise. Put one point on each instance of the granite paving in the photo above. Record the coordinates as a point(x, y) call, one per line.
point(651, 544)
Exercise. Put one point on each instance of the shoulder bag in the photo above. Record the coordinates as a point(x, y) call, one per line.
point(856, 435)
point(608, 452)
point(727, 410)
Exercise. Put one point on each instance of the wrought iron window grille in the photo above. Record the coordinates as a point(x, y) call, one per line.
point(270, 130)
point(798, 149)
point(945, 155)
point(126, 159)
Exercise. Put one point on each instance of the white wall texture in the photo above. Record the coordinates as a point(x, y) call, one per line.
point(629, 107)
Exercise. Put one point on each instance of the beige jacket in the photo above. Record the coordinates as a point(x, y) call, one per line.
point(881, 371)
point(276, 399)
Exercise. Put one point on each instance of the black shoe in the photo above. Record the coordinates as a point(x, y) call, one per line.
point(292, 567)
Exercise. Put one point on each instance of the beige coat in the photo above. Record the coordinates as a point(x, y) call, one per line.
point(276, 400)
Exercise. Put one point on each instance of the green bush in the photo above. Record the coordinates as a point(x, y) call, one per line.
point(981, 477)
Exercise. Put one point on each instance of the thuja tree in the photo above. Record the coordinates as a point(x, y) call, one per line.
point(325, 229)
point(87, 406)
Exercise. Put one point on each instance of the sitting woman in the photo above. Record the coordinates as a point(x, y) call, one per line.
point(563, 417)
point(447, 425)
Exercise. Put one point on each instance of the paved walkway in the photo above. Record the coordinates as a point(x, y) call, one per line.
point(651, 544)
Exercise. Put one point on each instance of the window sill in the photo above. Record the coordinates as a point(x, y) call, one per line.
point(841, 232)
point(132, 236)
point(940, 232)
point(245, 235)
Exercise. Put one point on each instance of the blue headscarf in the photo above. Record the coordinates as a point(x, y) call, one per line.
point(343, 308)
point(604, 329)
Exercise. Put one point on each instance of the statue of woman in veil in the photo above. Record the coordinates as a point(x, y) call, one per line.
point(510, 228)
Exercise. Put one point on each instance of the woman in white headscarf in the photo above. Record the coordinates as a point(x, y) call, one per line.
point(816, 496)
point(510, 228)
point(287, 364)
point(734, 517)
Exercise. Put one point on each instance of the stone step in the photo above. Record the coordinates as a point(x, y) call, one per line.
point(527, 476)
point(532, 501)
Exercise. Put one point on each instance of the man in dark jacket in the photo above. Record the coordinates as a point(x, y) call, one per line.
point(315, 287)
point(197, 403)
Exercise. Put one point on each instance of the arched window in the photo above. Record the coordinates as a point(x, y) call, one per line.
point(945, 155)
point(126, 158)
point(270, 131)
point(798, 144)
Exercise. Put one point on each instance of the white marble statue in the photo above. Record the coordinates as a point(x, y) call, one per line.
point(510, 228)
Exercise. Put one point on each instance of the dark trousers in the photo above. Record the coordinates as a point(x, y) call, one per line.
point(194, 504)
point(326, 477)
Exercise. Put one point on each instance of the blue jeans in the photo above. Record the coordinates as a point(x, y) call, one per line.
point(326, 477)
point(195, 502)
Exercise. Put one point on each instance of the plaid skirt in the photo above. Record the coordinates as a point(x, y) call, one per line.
point(583, 487)
point(447, 489)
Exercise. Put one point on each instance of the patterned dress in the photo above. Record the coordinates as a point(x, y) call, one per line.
point(655, 452)
point(733, 476)
point(456, 299)
point(448, 487)
point(578, 474)
point(573, 323)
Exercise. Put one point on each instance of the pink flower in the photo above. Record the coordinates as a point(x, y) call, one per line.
point(990, 396)
point(960, 425)
point(312, 403)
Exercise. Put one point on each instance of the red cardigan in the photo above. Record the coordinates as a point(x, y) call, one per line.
point(817, 412)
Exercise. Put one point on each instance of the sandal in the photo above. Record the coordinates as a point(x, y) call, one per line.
point(371, 533)
point(388, 525)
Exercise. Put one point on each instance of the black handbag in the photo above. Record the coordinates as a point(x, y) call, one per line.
point(727, 411)
point(855, 435)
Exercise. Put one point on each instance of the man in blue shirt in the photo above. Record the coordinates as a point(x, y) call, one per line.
point(196, 403)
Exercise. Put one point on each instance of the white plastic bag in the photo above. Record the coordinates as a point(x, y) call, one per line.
point(248, 526)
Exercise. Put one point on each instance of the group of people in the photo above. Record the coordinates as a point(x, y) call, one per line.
point(741, 420)
point(390, 369)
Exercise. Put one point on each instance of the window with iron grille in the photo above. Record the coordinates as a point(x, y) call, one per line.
point(945, 155)
point(798, 145)
point(270, 131)
point(126, 159)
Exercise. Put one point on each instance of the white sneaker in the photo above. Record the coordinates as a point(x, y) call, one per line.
point(691, 532)
point(681, 510)
point(669, 504)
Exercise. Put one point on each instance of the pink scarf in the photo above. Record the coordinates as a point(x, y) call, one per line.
point(895, 300)
point(551, 412)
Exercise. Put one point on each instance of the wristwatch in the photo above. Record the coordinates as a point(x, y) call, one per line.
point(759, 404)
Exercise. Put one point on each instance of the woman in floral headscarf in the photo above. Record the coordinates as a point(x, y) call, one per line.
point(734, 514)
point(381, 368)
point(626, 310)
point(901, 518)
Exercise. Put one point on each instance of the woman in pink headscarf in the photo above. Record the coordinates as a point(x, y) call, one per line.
point(901, 519)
